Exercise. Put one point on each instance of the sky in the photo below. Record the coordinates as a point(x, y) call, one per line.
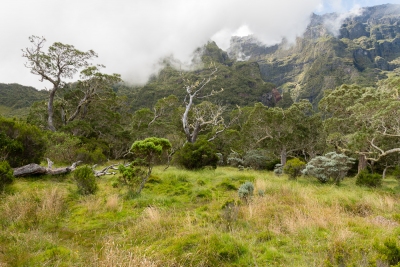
point(131, 37)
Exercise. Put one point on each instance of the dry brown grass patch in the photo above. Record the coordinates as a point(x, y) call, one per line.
point(113, 203)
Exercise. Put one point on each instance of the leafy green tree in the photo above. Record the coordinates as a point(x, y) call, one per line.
point(60, 62)
point(63, 62)
point(330, 166)
point(93, 86)
point(364, 121)
point(285, 132)
point(146, 152)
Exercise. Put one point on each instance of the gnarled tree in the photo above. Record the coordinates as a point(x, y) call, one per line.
point(61, 61)
point(205, 115)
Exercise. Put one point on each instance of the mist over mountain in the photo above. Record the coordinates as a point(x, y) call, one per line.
point(359, 47)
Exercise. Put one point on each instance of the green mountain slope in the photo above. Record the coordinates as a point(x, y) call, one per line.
point(365, 48)
point(15, 99)
point(241, 82)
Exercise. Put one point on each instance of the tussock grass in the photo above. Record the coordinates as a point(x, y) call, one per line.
point(185, 218)
point(31, 208)
point(114, 203)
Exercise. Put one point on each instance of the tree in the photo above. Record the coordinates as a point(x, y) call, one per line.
point(204, 115)
point(139, 171)
point(93, 85)
point(61, 62)
point(285, 132)
point(364, 121)
point(340, 123)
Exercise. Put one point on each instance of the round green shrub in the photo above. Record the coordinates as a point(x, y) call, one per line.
point(85, 180)
point(293, 168)
point(198, 155)
point(6, 174)
point(364, 178)
point(20, 143)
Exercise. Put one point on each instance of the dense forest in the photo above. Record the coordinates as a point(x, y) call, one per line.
point(290, 111)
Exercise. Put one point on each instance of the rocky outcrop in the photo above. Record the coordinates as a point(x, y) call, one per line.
point(360, 51)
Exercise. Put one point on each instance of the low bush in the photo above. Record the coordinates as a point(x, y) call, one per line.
point(198, 155)
point(85, 180)
point(6, 175)
point(255, 159)
point(62, 147)
point(246, 191)
point(20, 143)
point(278, 169)
point(293, 168)
point(365, 178)
point(390, 252)
point(330, 166)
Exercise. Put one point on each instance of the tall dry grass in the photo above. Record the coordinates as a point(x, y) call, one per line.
point(31, 208)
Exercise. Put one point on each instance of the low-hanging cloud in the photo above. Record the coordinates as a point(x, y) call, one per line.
point(131, 36)
point(333, 23)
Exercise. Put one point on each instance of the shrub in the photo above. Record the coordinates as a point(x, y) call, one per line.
point(95, 156)
point(197, 155)
point(146, 152)
point(133, 176)
point(6, 175)
point(20, 143)
point(293, 168)
point(365, 178)
point(246, 191)
point(255, 159)
point(332, 165)
point(85, 180)
point(62, 147)
point(270, 166)
point(396, 172)
point(220, 159)
point(235, 160)
point(390, 252)
point(278, 169)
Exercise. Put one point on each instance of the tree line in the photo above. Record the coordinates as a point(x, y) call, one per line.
point(87, 121)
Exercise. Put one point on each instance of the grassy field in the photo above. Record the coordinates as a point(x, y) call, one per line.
point(185, 218)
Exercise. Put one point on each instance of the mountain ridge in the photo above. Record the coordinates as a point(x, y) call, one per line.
point(365, 49)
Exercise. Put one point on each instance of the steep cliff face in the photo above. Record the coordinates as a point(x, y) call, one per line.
point(334, 50)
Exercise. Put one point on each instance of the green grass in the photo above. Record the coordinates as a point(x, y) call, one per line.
point(195, 218)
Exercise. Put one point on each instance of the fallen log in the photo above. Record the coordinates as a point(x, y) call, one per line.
point(36, 169)
point(105, 170)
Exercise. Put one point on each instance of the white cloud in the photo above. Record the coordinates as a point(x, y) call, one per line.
point(131, 36)
point(333, 24)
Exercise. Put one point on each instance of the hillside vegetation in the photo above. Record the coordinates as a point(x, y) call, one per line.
point(186, 218)
point(330, 132)
point(362, 49)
